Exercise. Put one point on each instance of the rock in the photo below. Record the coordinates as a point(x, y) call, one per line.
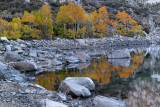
point(33, 53)
point(81, 41)
point(25, 66)
point(4, 39)
point(100, 101)
point(20, 41)
point(119, 54)
point(55, 62)
point(50, 103)
point(148, 23)
point(83, 57)
point(77, 86)
point(18, 49)
point(12, 56)
point(133, 3)
point(62, 96)
point(1, 58)
point(72, 59)
point(8, 48)
point(2, 48)
point(14, 75)
point(2, 66)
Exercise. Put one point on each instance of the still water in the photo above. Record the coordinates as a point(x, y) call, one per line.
point(135, 80)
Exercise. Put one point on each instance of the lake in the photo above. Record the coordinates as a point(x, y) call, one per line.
point(135, 80)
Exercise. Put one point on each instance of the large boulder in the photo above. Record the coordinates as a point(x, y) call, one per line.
point(77, 86)
point(25, 66)
point(12, 56)
point(119, 54)
point(101, 101)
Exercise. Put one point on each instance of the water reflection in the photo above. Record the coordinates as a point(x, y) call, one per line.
point(136, 79)
point(99, 71)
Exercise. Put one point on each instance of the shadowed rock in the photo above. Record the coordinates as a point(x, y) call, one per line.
point(25, 66)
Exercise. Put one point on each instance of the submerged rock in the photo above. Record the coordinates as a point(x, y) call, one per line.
point(101, 101)
point(77, 86)
point(119, 54)
point(25, 66)
point(12, 56)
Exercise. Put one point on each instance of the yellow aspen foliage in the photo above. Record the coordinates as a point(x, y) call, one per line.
point(81, 32)
point(100, 21)
point(28, 17)
point(45, 21)
point(72, 16)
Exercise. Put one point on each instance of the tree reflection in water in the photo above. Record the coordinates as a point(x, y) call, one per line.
point(99, 71)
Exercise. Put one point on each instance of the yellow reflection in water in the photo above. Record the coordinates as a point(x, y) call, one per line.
point(100, 71)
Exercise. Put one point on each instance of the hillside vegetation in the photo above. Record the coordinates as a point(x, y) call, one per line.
point(71, 22)
point(35, 19)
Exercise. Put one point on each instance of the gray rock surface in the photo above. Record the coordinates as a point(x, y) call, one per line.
point(50, 103)
point(83, 57)
point(8, 48)
point(56, 62)
point(33, 53)
point(72, 59)
point(12, 56)
point(101, 101)
point(119, 54)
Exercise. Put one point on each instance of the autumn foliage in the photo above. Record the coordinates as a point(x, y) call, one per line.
point(71, 22)
point(34, 25)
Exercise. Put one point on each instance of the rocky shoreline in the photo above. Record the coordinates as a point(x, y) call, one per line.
point(18, 56)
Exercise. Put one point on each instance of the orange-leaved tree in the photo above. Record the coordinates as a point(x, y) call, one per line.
point(100, 21)
point(125, 25)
